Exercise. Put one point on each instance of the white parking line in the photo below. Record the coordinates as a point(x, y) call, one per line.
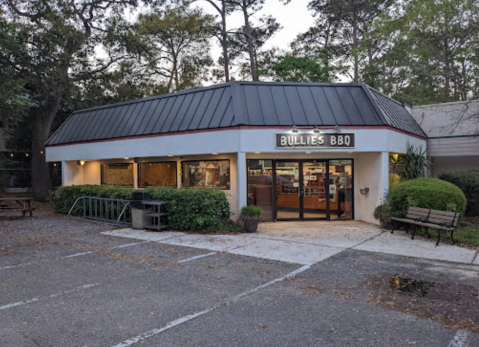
point(74, 255)
point(77, 255)
point(187, 318)
point(130, 244)
point(459, 340)
point(20, 303)
point(197, 257)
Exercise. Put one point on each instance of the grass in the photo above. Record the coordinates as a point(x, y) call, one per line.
point(466, 233)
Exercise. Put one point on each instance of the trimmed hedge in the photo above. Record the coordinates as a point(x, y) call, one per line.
point(64, 198)
point(194, 209)
point(468, 181)
point(430, 193)
point(189, 209)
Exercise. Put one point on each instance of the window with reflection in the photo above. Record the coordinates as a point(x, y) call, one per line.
point(260, 186)
point(157, 174)
point(117, 174)
point(206, 174)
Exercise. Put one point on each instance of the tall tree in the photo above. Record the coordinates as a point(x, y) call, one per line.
point(240, 46)
point(179, 42)
point(436, 45)
point(61, 37)
point(221, 33)
point(353, 19)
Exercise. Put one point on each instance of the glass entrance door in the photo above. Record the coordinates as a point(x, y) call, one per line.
point(302, 189)
point(288, 202)
point(314, 191)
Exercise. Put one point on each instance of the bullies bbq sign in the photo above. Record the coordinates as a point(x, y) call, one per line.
point(314, 140)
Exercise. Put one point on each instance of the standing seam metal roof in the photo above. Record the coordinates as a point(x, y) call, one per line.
point(235, 104)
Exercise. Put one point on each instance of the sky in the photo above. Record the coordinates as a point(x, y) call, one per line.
point(294, 17)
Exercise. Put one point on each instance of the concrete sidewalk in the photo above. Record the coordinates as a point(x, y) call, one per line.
point(310, 242)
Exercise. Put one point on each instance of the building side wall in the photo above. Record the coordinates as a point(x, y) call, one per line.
point(453, 146)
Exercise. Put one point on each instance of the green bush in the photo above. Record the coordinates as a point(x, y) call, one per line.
point(189, 209)
point(430, 193)
point(64, 198)
point(468, 181)
point(194, 209)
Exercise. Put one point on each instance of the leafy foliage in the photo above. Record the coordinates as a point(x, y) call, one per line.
point(430, 193)
point(189, 209)
point(289, 68)
point(251, 210)
point(411, 165)
point(468, 181)
point(177, 47)
point(194, 209)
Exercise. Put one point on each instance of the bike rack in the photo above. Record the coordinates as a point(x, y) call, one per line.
point(102, 210)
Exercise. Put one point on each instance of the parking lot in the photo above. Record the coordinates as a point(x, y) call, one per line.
point(63, 283)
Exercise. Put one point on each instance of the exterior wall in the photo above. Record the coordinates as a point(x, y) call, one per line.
point(370, 158)
point(371, 171)
point(453, 130)
point(460, 162)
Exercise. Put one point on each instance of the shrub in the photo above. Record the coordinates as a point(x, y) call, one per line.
point(468, 181)
point(194, 209)
point(64, 198)
point(394, 180)
point(189, 209)
point(430, 193)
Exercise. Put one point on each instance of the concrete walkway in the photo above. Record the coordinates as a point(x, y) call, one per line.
point(307, 243)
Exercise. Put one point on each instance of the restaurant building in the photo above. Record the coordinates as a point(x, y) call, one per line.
point(301, 151)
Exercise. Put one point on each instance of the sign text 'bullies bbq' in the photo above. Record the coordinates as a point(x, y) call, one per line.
point(314, 140)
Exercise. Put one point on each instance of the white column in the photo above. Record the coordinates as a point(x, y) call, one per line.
point(241, 179)
point(135, 175)
point(384, 177)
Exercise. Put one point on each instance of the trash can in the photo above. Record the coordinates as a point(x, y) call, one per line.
point(138, 210)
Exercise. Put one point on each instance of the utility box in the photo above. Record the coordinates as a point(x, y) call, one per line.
point(139, 212)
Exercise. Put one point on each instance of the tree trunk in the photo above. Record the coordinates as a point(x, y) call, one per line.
point(41, 182)
point(249, 41)
point(355, 45)
point(224, 42)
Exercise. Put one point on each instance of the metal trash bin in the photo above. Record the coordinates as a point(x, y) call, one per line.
point(138, 210)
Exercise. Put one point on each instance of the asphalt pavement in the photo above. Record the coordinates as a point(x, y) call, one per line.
point(90, 289)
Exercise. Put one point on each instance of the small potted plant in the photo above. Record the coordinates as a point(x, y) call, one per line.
point(383, 213)
point(251, 216)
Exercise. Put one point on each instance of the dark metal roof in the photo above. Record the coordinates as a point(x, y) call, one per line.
point(238, 103)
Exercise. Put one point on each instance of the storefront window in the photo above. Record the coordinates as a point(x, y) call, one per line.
point(157, 174)
point(117, 174)
point(206, 174)
point(260, 187)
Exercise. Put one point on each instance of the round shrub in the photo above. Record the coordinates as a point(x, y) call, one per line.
point(430, 193)
point(468, 181)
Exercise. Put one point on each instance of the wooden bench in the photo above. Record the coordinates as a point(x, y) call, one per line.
point(441, 220)
point(24, 204)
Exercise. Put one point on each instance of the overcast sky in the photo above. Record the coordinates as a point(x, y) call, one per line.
point(294, 17)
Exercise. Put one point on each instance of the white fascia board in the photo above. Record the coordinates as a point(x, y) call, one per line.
point(397, 142)
point(224, 141)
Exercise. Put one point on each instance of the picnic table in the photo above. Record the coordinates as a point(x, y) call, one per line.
point(23, 204)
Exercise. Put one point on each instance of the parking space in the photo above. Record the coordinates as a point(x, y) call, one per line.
point(96, 290)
